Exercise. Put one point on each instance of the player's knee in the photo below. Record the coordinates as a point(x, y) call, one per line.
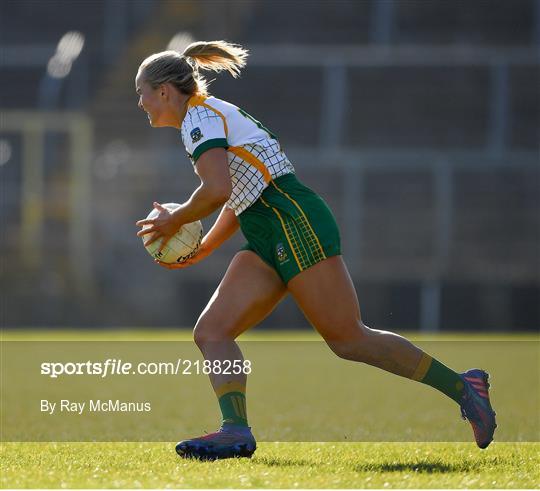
point(198, 336)
point(352, 346)
point(207, 332)
point(202, 335)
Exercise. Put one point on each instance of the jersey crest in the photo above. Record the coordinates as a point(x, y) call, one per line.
point(281, 254)
point(196, 134)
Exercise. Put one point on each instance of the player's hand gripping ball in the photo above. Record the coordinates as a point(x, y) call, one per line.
point(183, 244)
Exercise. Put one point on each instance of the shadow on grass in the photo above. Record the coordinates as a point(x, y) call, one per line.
point(275, 462)
point(423, 467)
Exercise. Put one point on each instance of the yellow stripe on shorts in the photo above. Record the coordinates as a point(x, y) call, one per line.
point(286, 233)
point(313, 235)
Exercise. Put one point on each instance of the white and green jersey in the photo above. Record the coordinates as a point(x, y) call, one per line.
point(254, 153)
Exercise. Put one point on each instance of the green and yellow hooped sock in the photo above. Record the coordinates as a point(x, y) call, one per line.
point(432, 372)
point(232, 402)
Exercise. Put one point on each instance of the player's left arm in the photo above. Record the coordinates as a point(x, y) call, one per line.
point(215, 189)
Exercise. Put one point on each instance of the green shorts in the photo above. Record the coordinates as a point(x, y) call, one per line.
point(290, 227)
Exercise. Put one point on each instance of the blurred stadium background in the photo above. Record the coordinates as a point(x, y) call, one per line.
point(418, 121)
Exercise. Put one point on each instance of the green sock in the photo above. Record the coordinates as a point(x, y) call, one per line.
point(232, 401)
point(432, 372)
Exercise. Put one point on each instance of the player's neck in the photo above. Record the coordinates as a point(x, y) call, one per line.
point(180, 110)
point(184, 106)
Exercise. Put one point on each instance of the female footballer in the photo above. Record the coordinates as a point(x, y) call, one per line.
point(293, 247)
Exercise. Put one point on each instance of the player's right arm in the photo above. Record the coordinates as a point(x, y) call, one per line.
point(224, 227)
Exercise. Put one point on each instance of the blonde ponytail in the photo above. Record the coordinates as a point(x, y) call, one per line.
point(182, 70)
point(217, 56)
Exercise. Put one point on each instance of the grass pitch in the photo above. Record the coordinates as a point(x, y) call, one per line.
point(275, 465)
point(290, 464)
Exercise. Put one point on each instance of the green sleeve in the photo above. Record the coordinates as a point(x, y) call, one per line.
point(207, 145)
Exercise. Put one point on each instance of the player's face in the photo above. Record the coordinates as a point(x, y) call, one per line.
point(151, 102)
